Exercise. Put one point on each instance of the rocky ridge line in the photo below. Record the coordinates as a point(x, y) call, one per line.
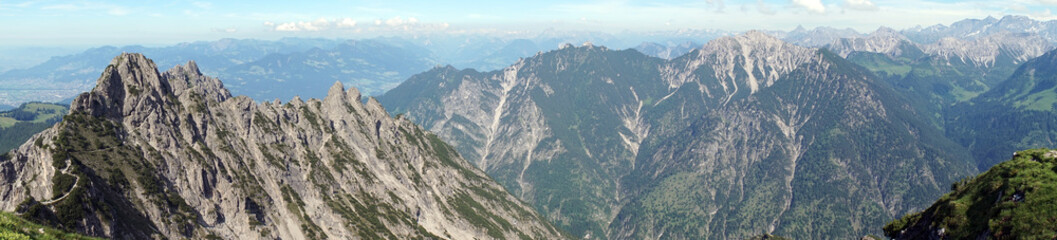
point(174, 155)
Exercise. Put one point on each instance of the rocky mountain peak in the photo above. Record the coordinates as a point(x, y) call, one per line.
point(122, 82)
point(887, 32)
point(338, 94)
point(817, 37)
point(1009, 18)
point(760, 57)
point(187, 79)
point(173, 155)
point(752, 43)
point(338, 99)
point(884, 40)
point(132, 85)
point(985, 50)
point(971, 29)
point(757, 36)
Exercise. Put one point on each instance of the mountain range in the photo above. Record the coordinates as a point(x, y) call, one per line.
point(809, 134)
point(62, 77)
point(150, 154)
point(748, 134)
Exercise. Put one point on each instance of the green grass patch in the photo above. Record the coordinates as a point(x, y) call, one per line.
point(1039, 101)
point(15, 228)
point(479, 216)
point(1012, 200)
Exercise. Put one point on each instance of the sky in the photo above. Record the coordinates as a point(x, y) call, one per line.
point(155, 23)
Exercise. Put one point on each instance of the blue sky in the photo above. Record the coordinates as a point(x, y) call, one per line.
point(150, 22)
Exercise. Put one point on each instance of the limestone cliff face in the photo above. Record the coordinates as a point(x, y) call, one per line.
point(746, 135)
point(150, 154)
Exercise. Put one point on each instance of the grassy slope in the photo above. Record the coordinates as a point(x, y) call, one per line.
point(42, 111)
point(15, 228)
point(1013, 200)
point(18, 125)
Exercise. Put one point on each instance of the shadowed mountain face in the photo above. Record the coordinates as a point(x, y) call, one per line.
point(746, 135)
point(1018, 113)
point(986, 90)
point(150, 154)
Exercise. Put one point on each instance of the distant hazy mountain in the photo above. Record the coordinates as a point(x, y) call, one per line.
point(965, 30)
point(818, 37)
point(484, 53)
point(498, 59)
point(974, 28)
point(886, 41)
point(292, 66)
point(746, 135)
point(666, 51)
point(66, 76)
point(25, 57)
point(373, 66)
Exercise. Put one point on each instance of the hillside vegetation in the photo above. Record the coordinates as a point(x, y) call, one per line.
point(1016, 199)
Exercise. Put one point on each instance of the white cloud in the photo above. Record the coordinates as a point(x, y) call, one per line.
point(346, 23)
point(864, 5)
point(309, 26)
point(398, 21)
point(287, 27)
point(814, 6)
point(380, 25)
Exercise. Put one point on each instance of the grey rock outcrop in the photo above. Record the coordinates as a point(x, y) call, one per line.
point(173, 155)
